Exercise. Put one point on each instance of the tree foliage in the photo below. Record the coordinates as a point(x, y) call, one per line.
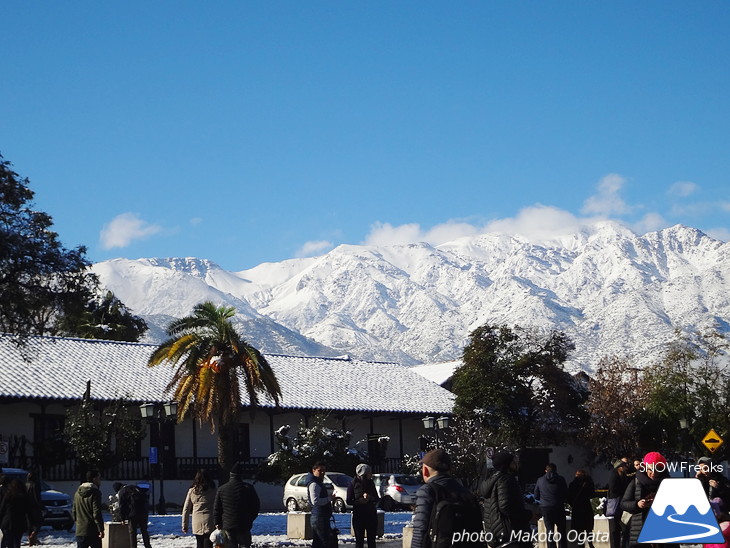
point(46, 289)
point(41, 281)
point(616, 407)
point(212, 362)
point(514, 382)
point(691, 382)
point(103, 434)
point(318, 442)
point(105, 317)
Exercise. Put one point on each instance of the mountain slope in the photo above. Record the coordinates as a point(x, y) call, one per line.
point(613, 292)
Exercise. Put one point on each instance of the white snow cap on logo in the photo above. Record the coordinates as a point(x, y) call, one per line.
point(680, 494)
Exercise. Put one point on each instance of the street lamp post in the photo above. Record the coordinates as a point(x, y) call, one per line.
point(436, 424)
point(155, 413)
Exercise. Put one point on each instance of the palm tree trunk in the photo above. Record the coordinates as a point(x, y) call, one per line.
point(226, 456)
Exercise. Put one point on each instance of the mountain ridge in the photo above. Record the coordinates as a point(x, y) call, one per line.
point(610, 290)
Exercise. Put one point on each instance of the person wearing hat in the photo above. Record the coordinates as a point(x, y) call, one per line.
point(363, 496)
point(640, 493)
point(438, 486)
point(715, 485)
point(505, 515)
point(235, 508)
point(618, 481)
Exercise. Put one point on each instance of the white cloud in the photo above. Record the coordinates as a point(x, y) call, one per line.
point(312, 248)
point(650, 222)
point(607, 201)
point(683, 189)
point(540, 222)
point(195, 221)
point(722, 234)
point(124, 229)
point(387, 234)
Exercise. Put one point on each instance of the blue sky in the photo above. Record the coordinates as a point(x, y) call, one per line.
point(247, 132)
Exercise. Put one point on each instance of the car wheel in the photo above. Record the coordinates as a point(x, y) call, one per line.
point(291, 505)
point(339, 506)
point(388, 504)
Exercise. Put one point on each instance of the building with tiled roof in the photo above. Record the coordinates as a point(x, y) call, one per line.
point(40, 379)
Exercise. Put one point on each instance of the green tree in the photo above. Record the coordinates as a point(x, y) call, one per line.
point(316, 442)
point(41, 282)
point(105, 317)
point(102, 434)
point(212, 360)
point(514, 382)
point(692, 383)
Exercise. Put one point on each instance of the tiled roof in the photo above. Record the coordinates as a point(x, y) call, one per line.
point(58, 368)
point(437, 372)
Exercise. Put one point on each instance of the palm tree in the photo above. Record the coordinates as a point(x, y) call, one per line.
point(212, 361)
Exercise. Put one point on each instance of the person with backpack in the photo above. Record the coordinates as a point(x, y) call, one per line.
point(134, 510)
point(506, 520)
point(447, 513)
point(235, 508)
point(362, 495)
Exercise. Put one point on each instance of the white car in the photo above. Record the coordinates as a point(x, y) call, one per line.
point(397, 490)
point(296, 497)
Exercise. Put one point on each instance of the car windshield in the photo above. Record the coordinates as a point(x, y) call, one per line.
point(407, 480)
point(340, 480)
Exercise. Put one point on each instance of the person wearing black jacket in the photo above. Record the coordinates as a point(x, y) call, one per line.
point(134, 509)
point(505, 516)
point(551, 492)
point(435, 467)
point(618, 481)
point(363, 497)
point(580, 492)
point(640, 493)
point(18, 514)
point(235, 508)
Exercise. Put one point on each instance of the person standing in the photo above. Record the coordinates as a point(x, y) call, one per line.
point(617, 483)
point(321, 502)
point(235, 508)
point(363, 497)
point(440, 486)
point(86, 512)
point(134, 508)
point(580, 492)
point(551, 492)
point(506, 520)
point(17, 515)
point(640, 493)
point(199, 503)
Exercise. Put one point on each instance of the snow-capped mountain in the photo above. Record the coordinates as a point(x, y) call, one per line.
point(611, 291)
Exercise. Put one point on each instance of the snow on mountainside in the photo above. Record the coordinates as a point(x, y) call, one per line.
point(611, 291)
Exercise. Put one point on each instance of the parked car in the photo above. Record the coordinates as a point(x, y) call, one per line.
point(56, 510)
point(296, 497)
point(397, 490)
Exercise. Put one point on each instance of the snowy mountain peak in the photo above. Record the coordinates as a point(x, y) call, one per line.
point(611, 291)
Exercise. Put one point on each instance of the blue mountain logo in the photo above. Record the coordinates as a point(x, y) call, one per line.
point(681, 513)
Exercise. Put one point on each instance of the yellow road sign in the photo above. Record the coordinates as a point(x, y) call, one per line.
point(712, 440)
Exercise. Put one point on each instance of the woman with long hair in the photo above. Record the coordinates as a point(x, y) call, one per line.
point(199, 503)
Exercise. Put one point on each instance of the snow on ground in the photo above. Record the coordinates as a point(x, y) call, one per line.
point(268, 530)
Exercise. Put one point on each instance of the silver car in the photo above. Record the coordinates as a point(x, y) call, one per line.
point(397, 490)
point(296, 497)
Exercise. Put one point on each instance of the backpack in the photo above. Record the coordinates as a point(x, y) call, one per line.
point(456, 519)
